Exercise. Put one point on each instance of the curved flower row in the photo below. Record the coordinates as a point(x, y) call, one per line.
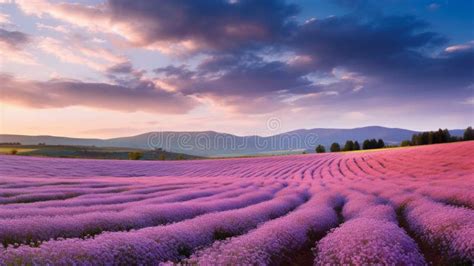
point(449, 229)
point(366, 241)
point(105, 202)
point(32, 229)
point(274, 241)
point(371, 236)
point(153, 244)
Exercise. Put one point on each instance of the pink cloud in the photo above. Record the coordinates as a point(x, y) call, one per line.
point(460, 47)
point(4, 19)
point(92, 17)
point(63, 93)
point(13, 45)
point(59, 28)
point(78, 51)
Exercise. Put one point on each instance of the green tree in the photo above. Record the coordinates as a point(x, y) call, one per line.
point(405, 143)
point(425, 138)
point(356, 146)
point(349, 146)
point(135, 155)
point(454, 139)
point(335, 147)
point(432, 137)
point(320, 149)
point(380, 144)
point(438, 136)
point(366, 144)
point(468, 134)
point(373, 144)
point(446, 137)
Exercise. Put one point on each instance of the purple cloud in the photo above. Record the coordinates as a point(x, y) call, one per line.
point(349, 40)
point(121, 68)
point(14, 39)
point(215, 24)
point(236, 75)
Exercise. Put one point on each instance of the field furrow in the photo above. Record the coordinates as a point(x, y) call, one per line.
point(405, 206)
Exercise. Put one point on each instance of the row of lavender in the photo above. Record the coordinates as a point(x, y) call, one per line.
point(396, 207)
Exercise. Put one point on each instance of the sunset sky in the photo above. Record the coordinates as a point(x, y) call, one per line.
point(123, 67)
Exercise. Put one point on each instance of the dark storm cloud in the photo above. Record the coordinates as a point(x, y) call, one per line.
point(388, 54)
point(214, 24)
point(397, 55)
point(350, 41)
point(248, 83)
point(449, 73)
point(238, 75)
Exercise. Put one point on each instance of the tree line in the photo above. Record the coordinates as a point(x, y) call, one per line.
point(434, 137)
point(422, 138)
point(136, 155)
point(351, 145)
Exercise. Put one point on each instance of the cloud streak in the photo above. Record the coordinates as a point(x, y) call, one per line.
point(12, 46)
point(63, 93)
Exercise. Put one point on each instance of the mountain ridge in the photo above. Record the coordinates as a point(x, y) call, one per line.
point(212, 143)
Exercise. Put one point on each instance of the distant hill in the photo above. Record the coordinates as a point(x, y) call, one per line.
point(90, 152)
point(210, 143)
point(50, 140)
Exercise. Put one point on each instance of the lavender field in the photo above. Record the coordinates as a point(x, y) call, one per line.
point(393, 207)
